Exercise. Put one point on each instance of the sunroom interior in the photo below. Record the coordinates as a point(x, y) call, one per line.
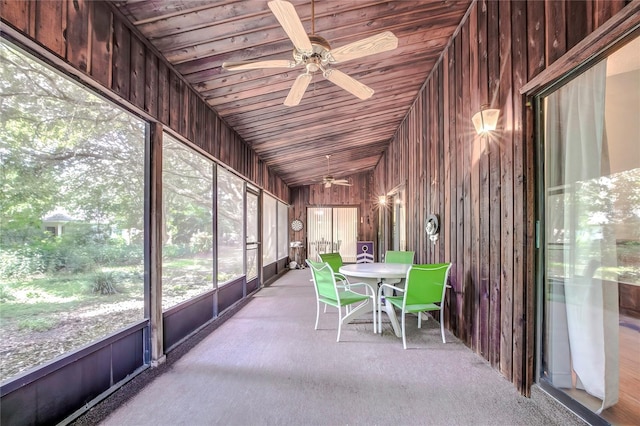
point(150, 192)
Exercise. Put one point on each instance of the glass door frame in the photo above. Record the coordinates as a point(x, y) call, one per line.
point(253, 245)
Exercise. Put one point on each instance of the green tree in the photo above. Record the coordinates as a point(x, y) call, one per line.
point(61, 145)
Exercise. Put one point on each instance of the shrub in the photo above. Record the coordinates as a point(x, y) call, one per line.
point(20, 263)
point(201, 242)
point(104, 283)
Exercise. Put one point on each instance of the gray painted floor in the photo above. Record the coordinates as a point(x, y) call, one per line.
point(267, 365)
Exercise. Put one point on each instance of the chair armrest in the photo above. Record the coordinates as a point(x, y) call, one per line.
point(367, 287)
point(340, 276)
point(392, 287)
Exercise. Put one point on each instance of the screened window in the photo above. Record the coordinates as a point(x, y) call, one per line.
point(187, 235)
point(231, 240)
point(283, 230)
point(71, 215)
point(269, 229)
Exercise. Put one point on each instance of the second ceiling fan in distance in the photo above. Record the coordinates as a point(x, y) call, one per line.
point(315, 54)
point(328, 180)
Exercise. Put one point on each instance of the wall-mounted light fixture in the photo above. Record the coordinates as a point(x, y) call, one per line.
point(485, 120)
point(382, 200)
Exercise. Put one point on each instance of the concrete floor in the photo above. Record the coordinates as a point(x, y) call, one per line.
point(266, 365)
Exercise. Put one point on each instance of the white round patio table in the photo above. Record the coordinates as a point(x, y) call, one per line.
point(372, 274)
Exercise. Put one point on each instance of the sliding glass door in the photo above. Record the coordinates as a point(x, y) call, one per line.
point(332, 229)
point(591, 254)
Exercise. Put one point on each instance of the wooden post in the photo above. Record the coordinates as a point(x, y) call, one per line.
point(154, 245)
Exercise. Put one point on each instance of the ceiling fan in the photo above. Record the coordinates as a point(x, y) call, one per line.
point(329, 180)
point(315, 54)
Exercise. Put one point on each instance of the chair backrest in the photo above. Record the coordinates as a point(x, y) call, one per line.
point(333, 259)
point(426, 283)
point(323, 279)
point(404, 257)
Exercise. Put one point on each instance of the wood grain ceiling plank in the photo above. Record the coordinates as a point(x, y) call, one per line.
point(270, 40)
point(355, 112)
point(239, 14)
point(245, 98)
point(338, 132)
point(250, 27)
point(239, 82)
point(139, 12)
point(379, 80)
point(312, 165)
point(243, 14)
point(322, 98)
point(211, 76)
point(267, 126)
point(327, 146)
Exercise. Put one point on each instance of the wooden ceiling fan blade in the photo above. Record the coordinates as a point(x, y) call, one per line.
point(288, 18)
point(252, 65)
point(298, 89)
point(349, 84)
point(369, 46)
point(339, 182)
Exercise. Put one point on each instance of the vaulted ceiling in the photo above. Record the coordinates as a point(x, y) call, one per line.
point(197, 36)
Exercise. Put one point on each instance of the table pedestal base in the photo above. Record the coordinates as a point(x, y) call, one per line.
point(387, 308)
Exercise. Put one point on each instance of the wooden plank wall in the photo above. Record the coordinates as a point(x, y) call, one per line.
point(357, 195)
point(483, 188)
point(93, 38)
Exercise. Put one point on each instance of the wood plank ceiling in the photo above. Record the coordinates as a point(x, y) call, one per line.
point(197, 36)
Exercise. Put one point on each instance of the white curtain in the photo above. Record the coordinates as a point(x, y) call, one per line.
point(577, 164)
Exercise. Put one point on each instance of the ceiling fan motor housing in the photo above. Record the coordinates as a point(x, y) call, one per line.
point(319, 56)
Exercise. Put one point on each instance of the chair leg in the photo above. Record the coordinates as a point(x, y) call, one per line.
point(379, 305)
point(442, 328)
point(419, 319)
point(375, 308)
point(404, 335)
point(339, 323)
point(318, 312)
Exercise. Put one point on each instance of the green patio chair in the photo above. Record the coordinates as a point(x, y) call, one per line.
point(394, 256)
point(424, 290)
point(330, 293)
point(335, 262)
point(404, 257)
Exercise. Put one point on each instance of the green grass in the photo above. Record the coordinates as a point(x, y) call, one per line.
point(189, 263)
point(43, 295)
point(37, 324)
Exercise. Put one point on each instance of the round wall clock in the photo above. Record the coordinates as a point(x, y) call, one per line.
point(296, 225)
